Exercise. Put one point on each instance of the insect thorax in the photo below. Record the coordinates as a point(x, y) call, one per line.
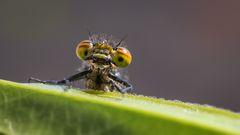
point(98, 79)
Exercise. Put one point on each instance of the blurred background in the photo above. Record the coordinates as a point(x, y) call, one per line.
point(182, 50)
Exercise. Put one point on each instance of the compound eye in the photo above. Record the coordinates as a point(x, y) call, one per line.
point(83, 49)
point(122, 57)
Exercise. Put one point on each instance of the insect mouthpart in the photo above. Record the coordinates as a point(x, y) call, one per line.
point(101, 58)
point(101, 54)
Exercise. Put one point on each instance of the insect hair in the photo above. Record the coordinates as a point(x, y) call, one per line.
point(108, 39)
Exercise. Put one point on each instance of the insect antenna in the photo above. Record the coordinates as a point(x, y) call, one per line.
point(90, 35)
point(119, 43)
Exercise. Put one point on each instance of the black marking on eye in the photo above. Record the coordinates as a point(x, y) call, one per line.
point(120, 59)
point(86, 53)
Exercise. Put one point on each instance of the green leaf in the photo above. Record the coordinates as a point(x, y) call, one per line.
point(38, 109)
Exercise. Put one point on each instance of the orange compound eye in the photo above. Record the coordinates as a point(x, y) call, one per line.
point(122, 57)
point(83, 49)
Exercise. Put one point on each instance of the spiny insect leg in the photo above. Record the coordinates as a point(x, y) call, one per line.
point(65, 81)
point(35, 80)
point(77, 76)
point(128, 88)
point(116, 86)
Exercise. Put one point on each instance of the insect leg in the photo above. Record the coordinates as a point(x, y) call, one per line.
point(37, 80)
point(128, 88)
point(116, 86)
point(77, 76)
point(72, 78)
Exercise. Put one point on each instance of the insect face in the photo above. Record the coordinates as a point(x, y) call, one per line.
point(102, 54)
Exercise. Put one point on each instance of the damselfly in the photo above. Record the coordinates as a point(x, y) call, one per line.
point(104, 56)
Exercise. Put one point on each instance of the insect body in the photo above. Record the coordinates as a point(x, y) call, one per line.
point(104, 56)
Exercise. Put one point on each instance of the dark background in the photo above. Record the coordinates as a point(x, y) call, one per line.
point(183, 50)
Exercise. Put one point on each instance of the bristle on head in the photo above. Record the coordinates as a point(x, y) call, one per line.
point(108, 39)
point(120, 42)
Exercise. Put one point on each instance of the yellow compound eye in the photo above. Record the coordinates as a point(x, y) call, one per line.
point(83, 49)
point(122, 57)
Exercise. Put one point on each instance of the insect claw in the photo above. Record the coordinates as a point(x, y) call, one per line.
point(68, 84)
point(36, 80)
